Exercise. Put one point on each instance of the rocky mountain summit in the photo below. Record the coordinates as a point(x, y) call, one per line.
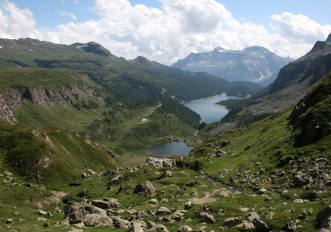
point(253, 64)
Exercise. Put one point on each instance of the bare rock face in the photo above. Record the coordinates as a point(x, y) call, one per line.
point(145, 188)
point(5, 112)
point(161, 162)
point(14, 98)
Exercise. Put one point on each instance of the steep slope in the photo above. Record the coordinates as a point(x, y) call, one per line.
point(176, 81)
point(49, 155)
point(292, 83)
point(311, 117)
point(253, 64)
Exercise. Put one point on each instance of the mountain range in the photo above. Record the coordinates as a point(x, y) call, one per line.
point(75, 123)
point(253, 64)
point(292, 83)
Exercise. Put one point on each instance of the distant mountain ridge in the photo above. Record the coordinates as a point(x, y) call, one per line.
point(292, 83)
point(253, 64)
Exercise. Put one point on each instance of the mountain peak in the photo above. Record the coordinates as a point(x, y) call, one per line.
point(219, 49)
point(256, 49)
point(93, 47)
point(141, 60)
point(329, 38)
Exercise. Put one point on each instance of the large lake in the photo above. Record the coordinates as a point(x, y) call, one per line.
point(207, 108)
point(208, 111)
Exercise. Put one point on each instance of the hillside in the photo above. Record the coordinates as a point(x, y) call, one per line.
point(292, 83)
point(253, 179)
point(253, 64)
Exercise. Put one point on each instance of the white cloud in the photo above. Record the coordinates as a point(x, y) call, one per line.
point(171, 32)
point(15, 22)
point(66, 14)
point(299, 27)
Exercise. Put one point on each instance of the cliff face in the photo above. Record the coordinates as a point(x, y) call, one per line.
point(12, 99)
point(5, 112)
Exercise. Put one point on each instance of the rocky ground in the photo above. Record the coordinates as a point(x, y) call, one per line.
point(181, 195)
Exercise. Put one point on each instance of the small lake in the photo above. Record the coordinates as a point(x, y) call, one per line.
point(170, 148)
point(207, 108)
point(208, 111)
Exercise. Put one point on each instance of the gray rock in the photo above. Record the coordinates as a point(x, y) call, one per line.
point(260, 226)
point(208, 218)
point(161, 162)
point(42, 212)
point(137, 227)
point(323, 218)
point(153, 201)
point(107, 203)
point(92, 220)
point(166, 174)
point(245, 226)
point(163, 211)
point(76, 212)
point(185, 229)
point(290, 227)
point(145, 188)
point(231, 222)
point(188, 205)
point(117, 179)
point(121, 223)
point(179, 215)
point(9, 221)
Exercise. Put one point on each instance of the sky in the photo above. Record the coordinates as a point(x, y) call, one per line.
point(168, 30)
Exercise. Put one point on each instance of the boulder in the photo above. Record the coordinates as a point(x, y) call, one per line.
point(185, 229)
point(231, 222)
point(166, 174)
point(145, 188)
point(76, 212)
point(42, 212)
point(260, 226)
point(137, 227)
point(323, 218)
point(92, 220)
point(121, 223)
point(163, 211)
point(245, 226)
point(208, 218)
point(116, 179)
point(107, 203)
point(161, 162)
point(290, 227)
point(188, 205)
point(179, 215)
point(153, 201)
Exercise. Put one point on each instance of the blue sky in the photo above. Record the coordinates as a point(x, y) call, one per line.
point(48, 12)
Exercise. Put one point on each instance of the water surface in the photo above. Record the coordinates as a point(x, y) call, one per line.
point(207, 108)
point(170, 148)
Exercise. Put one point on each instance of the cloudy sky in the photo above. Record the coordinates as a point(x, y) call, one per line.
point(167, 30)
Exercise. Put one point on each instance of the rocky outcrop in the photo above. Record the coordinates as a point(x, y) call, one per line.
point(161, 162)
point(5, 112)
point(86, 215)
point(145, 188)
point(12, 99)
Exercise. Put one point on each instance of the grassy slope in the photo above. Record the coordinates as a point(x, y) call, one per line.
point(34, 77)
point(23, 151)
